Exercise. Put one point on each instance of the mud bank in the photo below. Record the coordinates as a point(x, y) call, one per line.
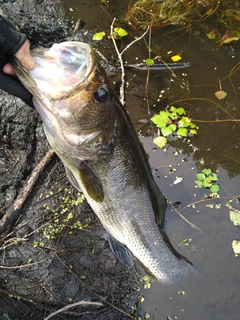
point(55, 253)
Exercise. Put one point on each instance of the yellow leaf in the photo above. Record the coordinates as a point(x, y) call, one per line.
point(228, 40)
point(211, 35)
point(220, 94)
point(160, 141)
point(236, 247)
point(176, 58)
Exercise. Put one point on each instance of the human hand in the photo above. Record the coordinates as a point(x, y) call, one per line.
point(24, 57)
point(14, 43)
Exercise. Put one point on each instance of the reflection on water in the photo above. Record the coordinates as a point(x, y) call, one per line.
point(212, 291)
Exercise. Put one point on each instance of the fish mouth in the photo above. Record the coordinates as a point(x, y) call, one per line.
point(60, 70)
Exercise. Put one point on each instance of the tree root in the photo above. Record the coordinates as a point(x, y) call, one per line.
point(13, 213)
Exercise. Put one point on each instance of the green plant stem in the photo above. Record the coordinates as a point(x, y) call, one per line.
point(203, 99)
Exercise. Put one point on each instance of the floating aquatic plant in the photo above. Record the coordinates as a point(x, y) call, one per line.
point(173, 122)
point(207, 179)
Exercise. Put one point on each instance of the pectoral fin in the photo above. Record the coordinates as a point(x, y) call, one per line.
point(72, 179)
point(123, 255)
point(85, 179)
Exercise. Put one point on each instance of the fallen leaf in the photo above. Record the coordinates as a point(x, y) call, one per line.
point(228, 40)
point(220, 94)
point(160, 141)
point(176, 58)
point(211, 35)
point(235, 217)
point(236, 247)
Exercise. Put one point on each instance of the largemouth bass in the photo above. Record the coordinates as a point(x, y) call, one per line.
point(93, 135)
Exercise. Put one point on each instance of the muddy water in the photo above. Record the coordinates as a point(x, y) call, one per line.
point(212, 290)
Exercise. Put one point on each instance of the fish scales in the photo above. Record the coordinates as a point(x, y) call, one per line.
point(93, 135)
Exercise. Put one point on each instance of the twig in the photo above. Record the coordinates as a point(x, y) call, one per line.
point(148, 73)
point(14, 211)
point(216, 121)
point(189, 222)
point(72, 305)
point(120, 54)
point(27, 265)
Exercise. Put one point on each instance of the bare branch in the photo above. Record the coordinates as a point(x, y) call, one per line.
point(120, 54)
point(72, 305)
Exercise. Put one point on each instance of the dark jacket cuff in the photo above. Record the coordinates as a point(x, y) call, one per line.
point(10, 39)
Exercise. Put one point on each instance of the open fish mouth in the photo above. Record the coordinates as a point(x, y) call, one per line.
point(59, 70)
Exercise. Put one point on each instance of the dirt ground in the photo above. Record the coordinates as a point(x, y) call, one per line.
point(55, 253)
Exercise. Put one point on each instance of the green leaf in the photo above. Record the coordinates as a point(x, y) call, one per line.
point(215, 188)
point(159, 122)
point(166, 131)
point(121, 32)
point(186, 122)
point(213, 177)
point(149, 61)
point(207, 184)
point(183, 122)
point(162, 119)
point(192, 125)
point(207, 172)
point(172, 126)
point(164, 114)
point(98, 35)
point(199, 183)
point(173, 115)
point(200, 176)
point(182, 132)
point(181, 111)
point(165, 118)
point(173, 109)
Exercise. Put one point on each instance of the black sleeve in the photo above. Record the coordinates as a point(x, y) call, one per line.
point(12, 85)
point(10, 39)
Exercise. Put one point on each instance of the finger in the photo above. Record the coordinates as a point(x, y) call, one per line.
point(8, 69)
point(24, 56)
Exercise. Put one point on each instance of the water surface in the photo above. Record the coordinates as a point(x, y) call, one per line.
point(211, 291)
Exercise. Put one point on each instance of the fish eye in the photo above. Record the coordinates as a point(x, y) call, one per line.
point(101, 95)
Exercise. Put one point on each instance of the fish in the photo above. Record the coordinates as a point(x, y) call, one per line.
point(92, 133)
